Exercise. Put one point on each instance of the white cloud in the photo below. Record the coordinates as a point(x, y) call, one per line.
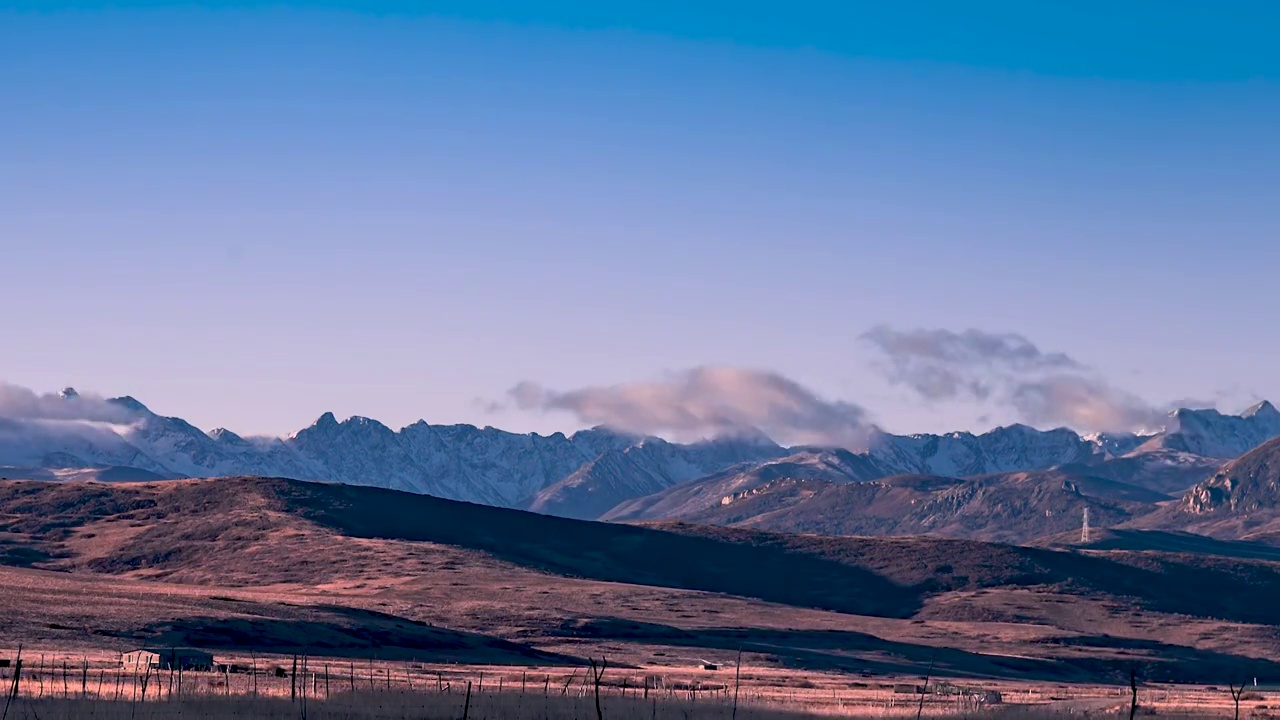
point(708, 401)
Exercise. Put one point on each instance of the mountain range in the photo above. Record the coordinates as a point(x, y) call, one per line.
point(601, 473)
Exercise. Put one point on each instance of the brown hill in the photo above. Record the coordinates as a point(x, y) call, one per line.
point(274, 562)
point(247, 531)
point(1161, 541)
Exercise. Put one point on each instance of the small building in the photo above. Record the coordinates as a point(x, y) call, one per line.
point(988, 697)
point(167, 659)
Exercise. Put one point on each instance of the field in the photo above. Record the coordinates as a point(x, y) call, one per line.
point(400, 601)
point(56, 686)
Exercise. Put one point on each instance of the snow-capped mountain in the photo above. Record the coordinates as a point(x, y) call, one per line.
point(960, 454)
point(461, 462)
point(649, 466)
point(685, 499)
point(1209, 433)
point(588, 473)
point(264, 456)
point(1117, 444)
point(26, 443)
point(1241, 501)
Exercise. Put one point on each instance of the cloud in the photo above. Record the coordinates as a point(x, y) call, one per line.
point(705, 402)
point(19, 403)
point(1082, 402)
point(39, 430)
point(942, 364)
point(1043, 388)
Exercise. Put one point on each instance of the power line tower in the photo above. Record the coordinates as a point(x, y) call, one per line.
point(1084, 529)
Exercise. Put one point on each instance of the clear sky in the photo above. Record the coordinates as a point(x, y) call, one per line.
point(250, 213)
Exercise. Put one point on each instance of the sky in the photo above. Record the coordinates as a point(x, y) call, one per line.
point(542, 215)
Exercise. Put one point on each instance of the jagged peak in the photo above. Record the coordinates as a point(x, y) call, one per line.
point(325, 422)
point(224, 435)
point(1263, 409)
point(1019, 428)
point(129, 403)
point(362, 421)
point(1184, 412)
point(68, 393)
point(603, 430)
point(451, 428)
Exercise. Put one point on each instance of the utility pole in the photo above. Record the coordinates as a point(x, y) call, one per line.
point(1084, 529)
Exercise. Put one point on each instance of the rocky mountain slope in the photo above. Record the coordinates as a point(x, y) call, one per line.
point(647, 467)
point(1241, 501)
point(691, 498)
point(1009, 507)
point(1004, 449)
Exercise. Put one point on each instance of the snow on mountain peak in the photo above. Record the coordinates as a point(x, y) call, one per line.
point(1263, 410)
point(131, 404)
point(224, 435)
point(493, 466)
point(68, 393)
point(1212, 434)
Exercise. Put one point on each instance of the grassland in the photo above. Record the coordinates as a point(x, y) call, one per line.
point(430, 594)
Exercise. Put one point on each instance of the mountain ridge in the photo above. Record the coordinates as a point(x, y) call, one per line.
point(588, 473)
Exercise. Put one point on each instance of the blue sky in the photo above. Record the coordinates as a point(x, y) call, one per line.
point(250, 213)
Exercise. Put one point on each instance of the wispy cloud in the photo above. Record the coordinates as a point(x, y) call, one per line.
point(1043, 388)
point(708, 401)
point(19, 403)
point(1083, 402)
point(48, 429)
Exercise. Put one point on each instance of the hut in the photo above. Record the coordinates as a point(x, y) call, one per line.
point(167, 659)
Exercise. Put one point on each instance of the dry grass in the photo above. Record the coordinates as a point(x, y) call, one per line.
point(404, 705)
point(393, 706)
point(335, 688)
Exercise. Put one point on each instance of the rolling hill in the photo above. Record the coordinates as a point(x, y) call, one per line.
point(270, 562)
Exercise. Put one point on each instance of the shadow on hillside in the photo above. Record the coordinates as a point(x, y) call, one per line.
point(861, 576)
point(855, 652)
point(346, 632)
point(1184, 542)
point(600, 551)
point(1207, 586)
point(19, 555)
